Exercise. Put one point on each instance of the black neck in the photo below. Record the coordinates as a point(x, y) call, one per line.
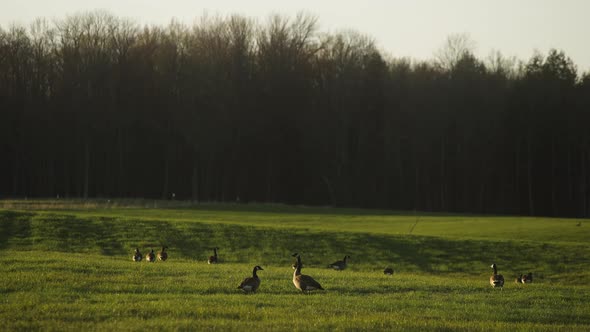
point(254, 272)
point(298, 269)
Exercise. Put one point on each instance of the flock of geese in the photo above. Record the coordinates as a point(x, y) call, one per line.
point(497, 280)
point(301, 281)
point(304, 282)
point(150, 256)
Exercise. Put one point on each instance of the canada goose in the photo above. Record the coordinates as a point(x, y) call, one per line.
point(137, 257)
point(150, 257)
point(304, 282)
point(388, 271)
point(527, 278)
point(213, 259)
point(163, 255)
point(496, 280)
point(251, 284)
point(340, 265)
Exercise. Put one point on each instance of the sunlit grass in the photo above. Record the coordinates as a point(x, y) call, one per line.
point(75, 291)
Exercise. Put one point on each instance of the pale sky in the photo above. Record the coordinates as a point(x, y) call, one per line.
point(413, 28)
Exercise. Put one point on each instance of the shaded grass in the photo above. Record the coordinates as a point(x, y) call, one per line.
point(322, 218)
point(349, 220)
point(240, 244)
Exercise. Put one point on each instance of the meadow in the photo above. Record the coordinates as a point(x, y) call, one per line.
point(66, 265)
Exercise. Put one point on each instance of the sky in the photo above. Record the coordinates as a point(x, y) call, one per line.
point(401, 28)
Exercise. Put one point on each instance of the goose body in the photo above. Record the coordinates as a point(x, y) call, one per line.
point(251, 284)
point(163, 255)
point(525, 278)
point(388, 271)
point(304, 282)
point(340, 265)
point(496, 280)
point(150, 257)
point(137, 257)
point(213, 259)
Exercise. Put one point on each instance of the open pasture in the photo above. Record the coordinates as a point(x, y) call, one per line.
point(69, 267)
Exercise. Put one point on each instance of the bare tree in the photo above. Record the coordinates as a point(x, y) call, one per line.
point(454, 48)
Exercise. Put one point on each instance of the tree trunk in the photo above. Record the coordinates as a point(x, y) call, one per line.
point(195, 184)
point(400, 169)
point(584, 185)
point(269, 197)
point(121, 173)
point(165, 187)
point(416, 188)
point(517, 175)
point(442, 174)
point(15, 175)
point(530, 176)
point(553, 185)
point(483, 186)
point(86, 168)
point(330, 190)
point(570, 178)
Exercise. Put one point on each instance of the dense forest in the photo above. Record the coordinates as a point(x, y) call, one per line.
point(232, 109)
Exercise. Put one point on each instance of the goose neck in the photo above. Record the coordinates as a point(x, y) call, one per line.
point(298, 268)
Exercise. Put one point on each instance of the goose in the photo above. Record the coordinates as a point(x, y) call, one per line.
point(163, 255)
point(150, 257)
point(250, 284)
point(137, 257)
point(340, 265)
point(527, 278)
point(304, 282)
point(213, 259)
point(388, 271)
point(496, 280)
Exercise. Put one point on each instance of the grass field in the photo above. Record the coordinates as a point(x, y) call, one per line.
point(67, 266)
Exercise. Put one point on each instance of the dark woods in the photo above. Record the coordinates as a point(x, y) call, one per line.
point(232, 110)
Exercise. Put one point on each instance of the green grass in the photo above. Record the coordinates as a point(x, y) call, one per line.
point(68, 267)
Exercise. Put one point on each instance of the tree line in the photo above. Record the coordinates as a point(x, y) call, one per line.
point(229, 109)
